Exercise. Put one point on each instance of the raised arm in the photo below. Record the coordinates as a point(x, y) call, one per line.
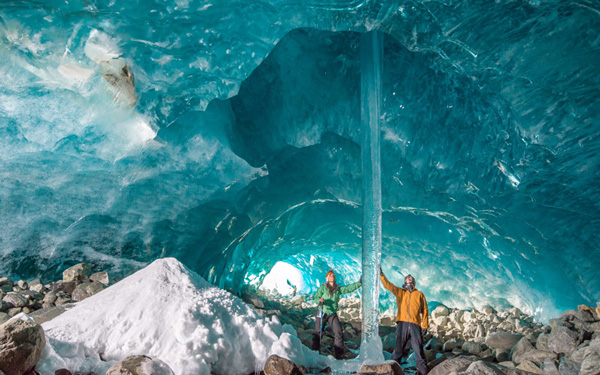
point(389, 286)
point(350, 288)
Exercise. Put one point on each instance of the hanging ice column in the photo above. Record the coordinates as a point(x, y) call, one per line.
point(371, 56)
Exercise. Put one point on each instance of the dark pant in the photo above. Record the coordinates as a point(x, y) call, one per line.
point(405, 331)
point(334, 322)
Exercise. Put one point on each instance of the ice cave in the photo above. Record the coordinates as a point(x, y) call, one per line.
point(227, 135)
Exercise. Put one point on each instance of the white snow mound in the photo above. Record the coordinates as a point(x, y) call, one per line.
point(170, 313)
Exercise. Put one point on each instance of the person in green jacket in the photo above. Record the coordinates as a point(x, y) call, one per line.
point(329, 294)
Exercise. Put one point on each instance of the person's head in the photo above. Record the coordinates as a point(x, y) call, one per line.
point(330, 277)
point(409, 282)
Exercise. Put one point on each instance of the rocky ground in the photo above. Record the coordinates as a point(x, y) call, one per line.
point(461, 342)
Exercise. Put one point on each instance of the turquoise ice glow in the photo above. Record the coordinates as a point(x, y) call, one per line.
point(239, 146)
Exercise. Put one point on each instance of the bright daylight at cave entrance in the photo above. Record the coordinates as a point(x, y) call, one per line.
point(299, 187)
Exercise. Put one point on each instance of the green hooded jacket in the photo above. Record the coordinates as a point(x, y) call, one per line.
point(330, 304)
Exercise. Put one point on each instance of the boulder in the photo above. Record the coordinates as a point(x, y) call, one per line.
point(568, 367)
point(22, 284)
point(542, 342)
point(488, 310)
point(507, 364)
point(3, 318)
point(36, 286)
point(277, 365)
point(390, 368)
point(4, 306)
point(591, 364)
point(22, 343)
point(530, 367)
point(502, 340)
point(472, 347)
point(450, 345)
point(140, 365)
point(85, 290)
point(520, 348)
point(483, 368)
point(101, 277)
point(549, 367)
point(502, 355)
point(457, 364)
point(538, 356)
point(64, 286)
point(563, 340)
point(79, 272)
point(16, 299)
point(440, 310)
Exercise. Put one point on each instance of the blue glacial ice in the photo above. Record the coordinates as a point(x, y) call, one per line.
point(227, 134)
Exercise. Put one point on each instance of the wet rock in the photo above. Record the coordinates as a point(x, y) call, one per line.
point(22, 344)
point(15, 299)
point(391, 368)
point(502, 340)
point(79, 272)
point(483, 368)
point(277, 365)
point(140, 365)
point(101, 277)
point(563, 340)
point(457, 364)
point(85, 290)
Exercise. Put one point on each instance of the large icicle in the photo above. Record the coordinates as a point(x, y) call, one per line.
point(371, 68)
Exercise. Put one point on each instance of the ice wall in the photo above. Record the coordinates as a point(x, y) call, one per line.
point(230, 140)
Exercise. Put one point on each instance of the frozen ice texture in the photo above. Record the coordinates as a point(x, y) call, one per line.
point(242, 147)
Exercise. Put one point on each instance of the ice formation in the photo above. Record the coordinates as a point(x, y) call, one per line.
point(235, 142)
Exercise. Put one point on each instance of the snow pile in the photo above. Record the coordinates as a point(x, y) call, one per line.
point(170, 313)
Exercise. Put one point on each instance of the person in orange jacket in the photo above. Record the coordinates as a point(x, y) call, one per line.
point(411, 320)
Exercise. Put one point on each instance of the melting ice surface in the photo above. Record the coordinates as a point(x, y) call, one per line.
point(226, 134)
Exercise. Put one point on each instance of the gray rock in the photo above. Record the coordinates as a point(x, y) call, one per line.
point(502, 355)
point(591, 364)
point(6, 288)
point(101, 277)
point(538, 356)
point(507, 364)
point(530, 367)
point(85, 290)
point(440, 310)
point(297, 300)
point(62, 299)
point(50, 297)
point(549, 367)
point(568, 367)
point(502, 340)
point(488, 310)
point(43, 315)
point(3, 317)
point(472, 347)
point(483, 368)
point(457, 364)
point(4, 306)
point(542, 342)
point(16, 300)
point(14, 311)
point(277, 365)
point(36, 286)
point(64, 286)
point(79, 272)
point(450, 345)
point(392, 368)
point(140, 365)
point(22, 344)
point(520, 348)
point(563, 340)
point(22, 284)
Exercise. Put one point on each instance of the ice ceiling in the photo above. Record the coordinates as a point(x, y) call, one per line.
point(226, 134)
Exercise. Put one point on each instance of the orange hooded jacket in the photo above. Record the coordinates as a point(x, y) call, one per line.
point(412, 306)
